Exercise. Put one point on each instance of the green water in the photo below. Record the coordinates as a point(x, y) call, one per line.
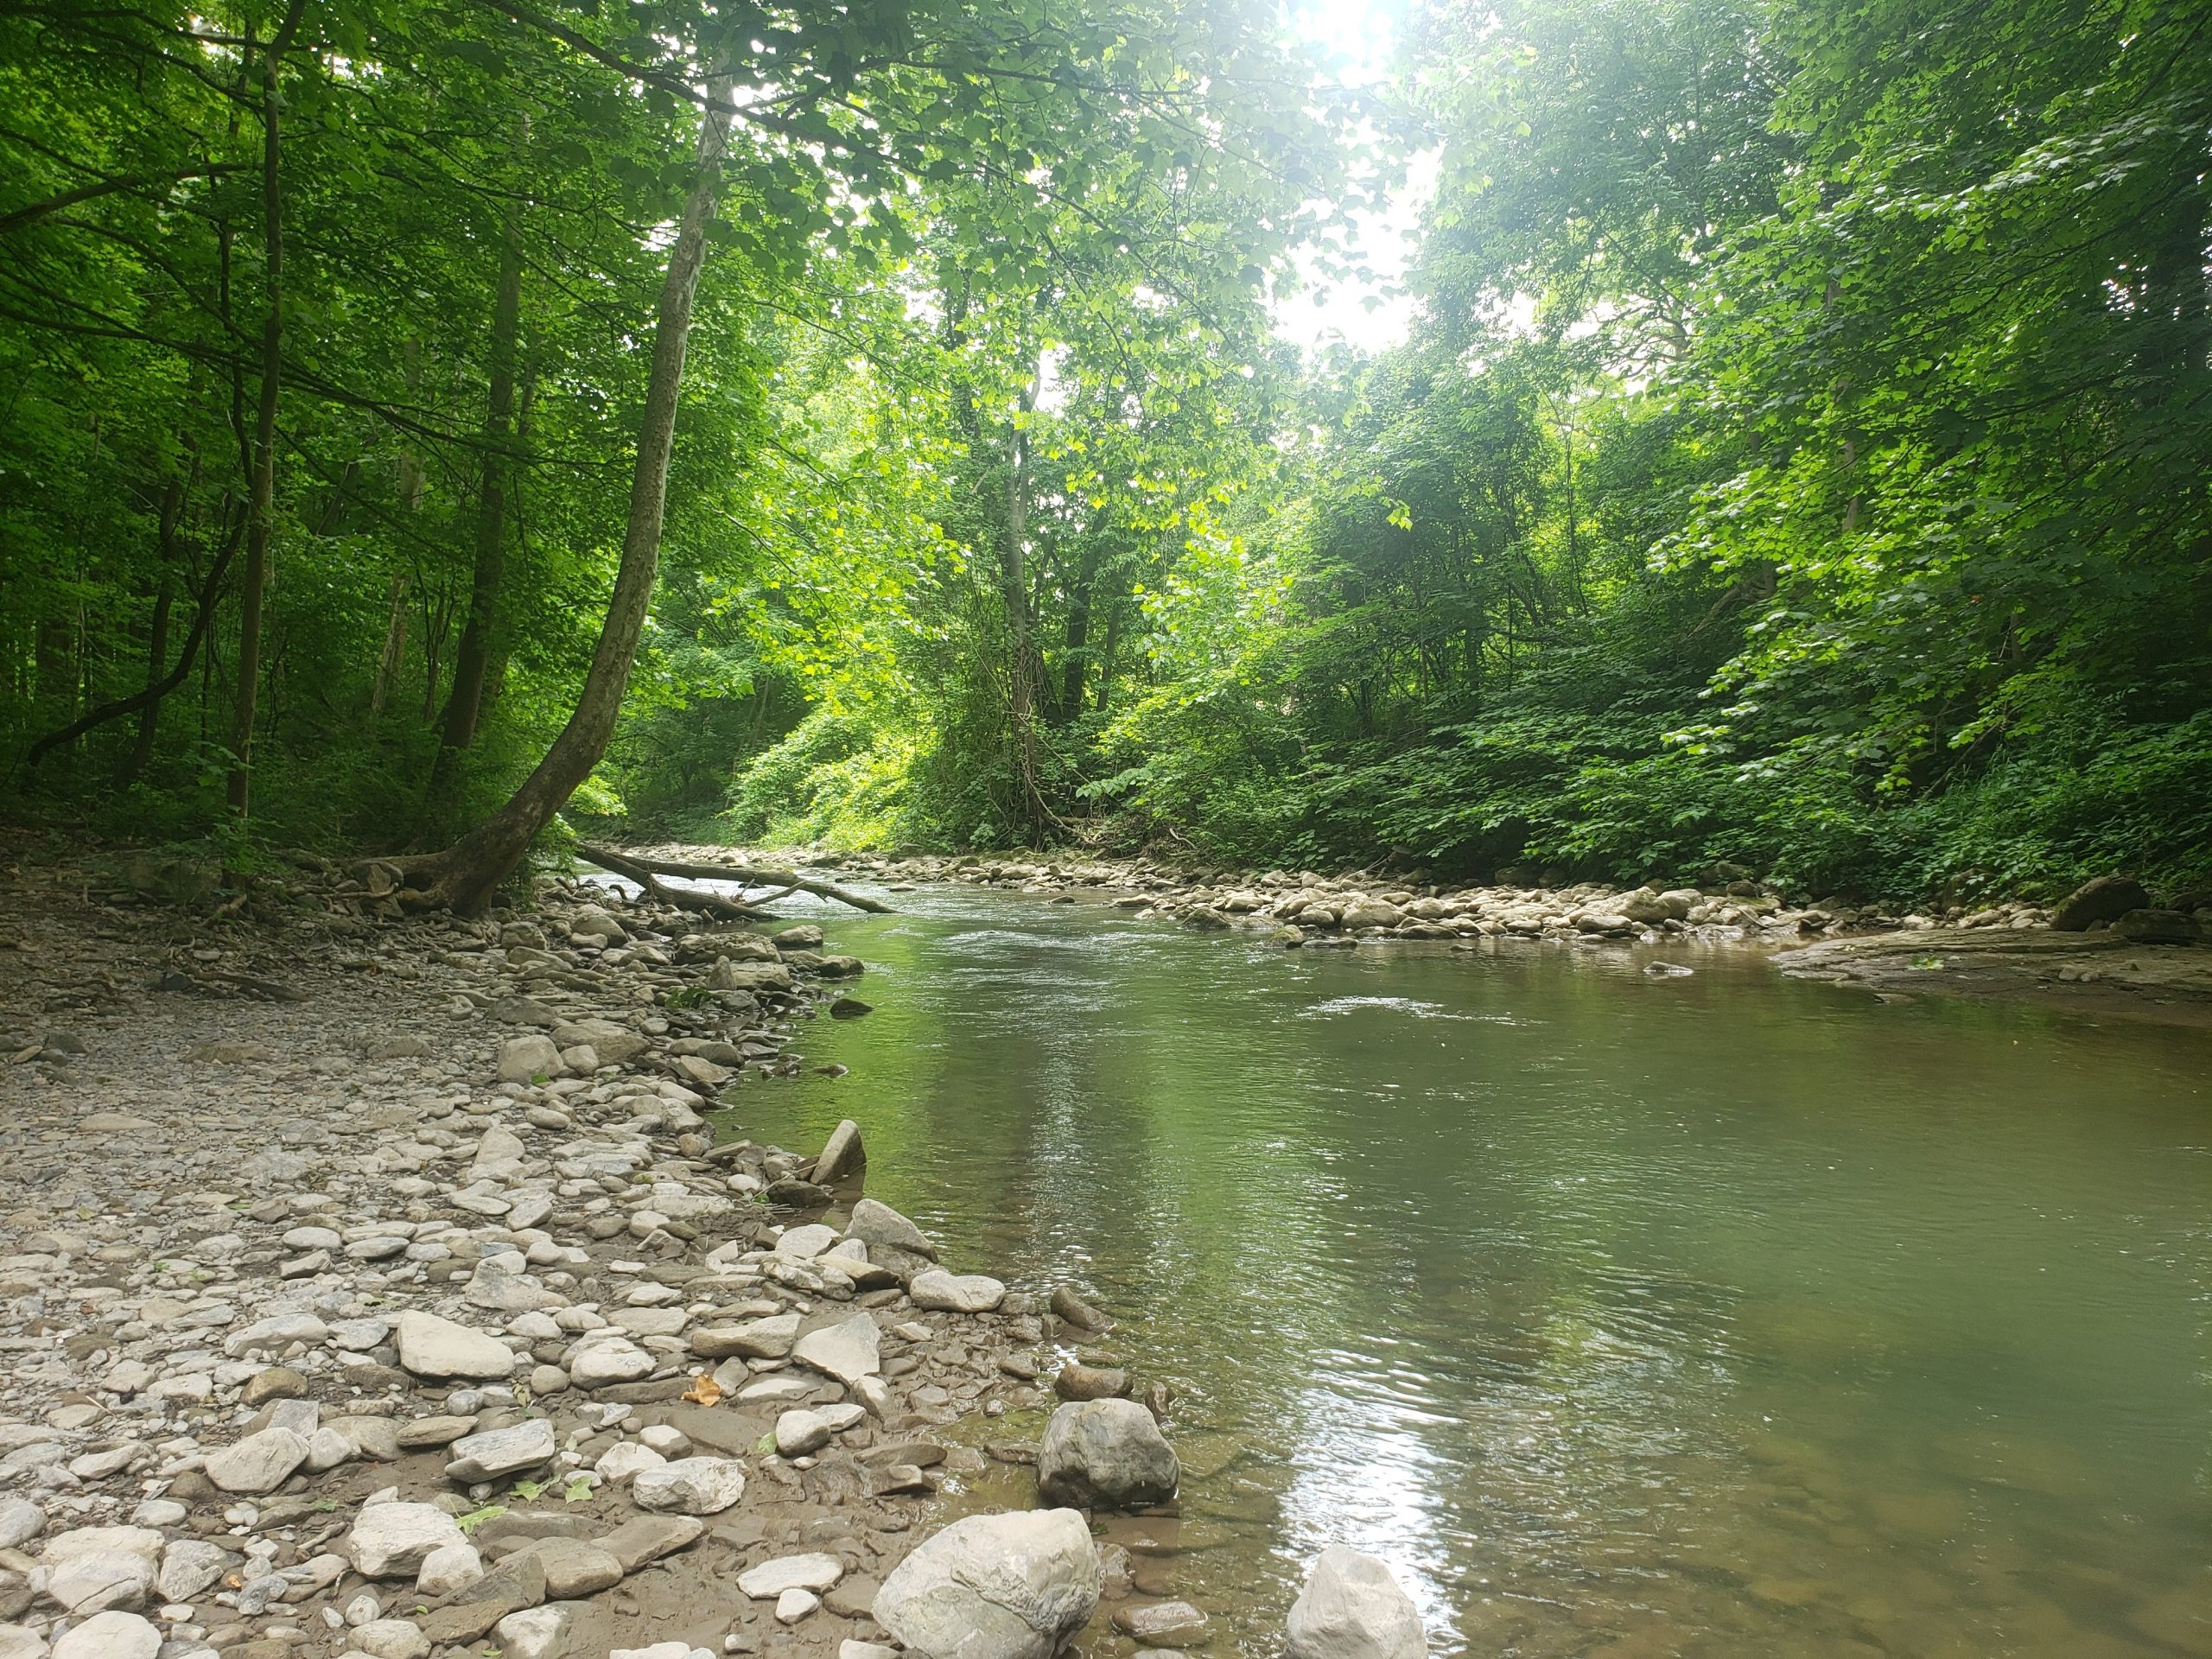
point(1717, 1315)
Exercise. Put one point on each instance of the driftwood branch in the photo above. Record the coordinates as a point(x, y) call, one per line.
point(712, 903)
point(637, 869)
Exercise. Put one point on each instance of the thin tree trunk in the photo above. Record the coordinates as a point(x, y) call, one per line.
point(210, 591)
point(1077, 668)
point(1106, 655)
point(410, 482)
point(1021, 667)
point(157, 643)
point(261, 527)
point(464, 704)
point(465, 875)
point(395, 646)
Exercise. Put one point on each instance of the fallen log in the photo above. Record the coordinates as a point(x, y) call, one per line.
point(711, 904)
point(790, 880)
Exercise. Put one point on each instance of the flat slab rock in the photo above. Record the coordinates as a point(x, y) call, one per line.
point(770, 1579)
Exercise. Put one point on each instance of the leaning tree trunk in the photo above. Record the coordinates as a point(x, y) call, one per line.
point(262, 523)
point(465, 875)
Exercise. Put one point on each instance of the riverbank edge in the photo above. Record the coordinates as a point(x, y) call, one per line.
point(1997, 953)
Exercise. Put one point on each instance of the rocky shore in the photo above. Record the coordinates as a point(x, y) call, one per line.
point(377, 1286)
point(2111, 947)
point(1302, 908)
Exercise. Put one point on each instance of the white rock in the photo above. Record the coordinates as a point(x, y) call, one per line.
point(690, 1486)
point(447, 1568)
point(815, 1571)
point(804, 1243)
point(260, 1463)
point(789, 1386)
point(522, 1059)
point(90, 1541)
point(628, 1457)
point(20, 1520)
point(188, 1567)
point(110, 1635)
point(500, 1452)
point(798, 1432)
point(16, 1642)
point(432, 1347)
point(391, 1541)
point(1352, 1608)
point(279, 1333)
point(499, 1154)
point(847, 1352)
point(101, 1578)
point(995, 1587)
point(795, 1604)
point(967, 1292)
point(536, 1633)
point(327, 1448)
point(392, 1638)
point(609, 1362)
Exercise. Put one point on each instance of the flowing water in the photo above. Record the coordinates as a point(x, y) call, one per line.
point(1623, 1315)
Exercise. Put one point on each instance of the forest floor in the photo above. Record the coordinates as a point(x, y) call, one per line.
point(325, 1239)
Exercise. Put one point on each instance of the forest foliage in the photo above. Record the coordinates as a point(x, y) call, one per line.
point(1799, 457)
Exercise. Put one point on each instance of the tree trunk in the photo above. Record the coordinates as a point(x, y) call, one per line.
point(465, 703)
point(1021, 664)
point(158, 643)
point(1077, 668)
point(1106, 655)
point(465, 875)
point(395, 646)
point(262, 524)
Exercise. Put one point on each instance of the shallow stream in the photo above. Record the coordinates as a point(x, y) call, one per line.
point(1623, 1315)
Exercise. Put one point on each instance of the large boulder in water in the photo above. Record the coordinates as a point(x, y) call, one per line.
point(842, 1155)
point(1352, 1608)
point(1106, 1454)
point(995, 1587)
point(2106, 899)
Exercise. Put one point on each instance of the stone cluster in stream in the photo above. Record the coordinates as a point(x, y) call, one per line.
point(1304, 908)
point(412, 1312)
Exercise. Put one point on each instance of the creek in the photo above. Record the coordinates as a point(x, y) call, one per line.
point(1622, 1314)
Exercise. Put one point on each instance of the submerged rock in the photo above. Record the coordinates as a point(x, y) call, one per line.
point(1077, 1312)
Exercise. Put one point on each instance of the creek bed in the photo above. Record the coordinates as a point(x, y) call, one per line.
point(1622, 1314)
